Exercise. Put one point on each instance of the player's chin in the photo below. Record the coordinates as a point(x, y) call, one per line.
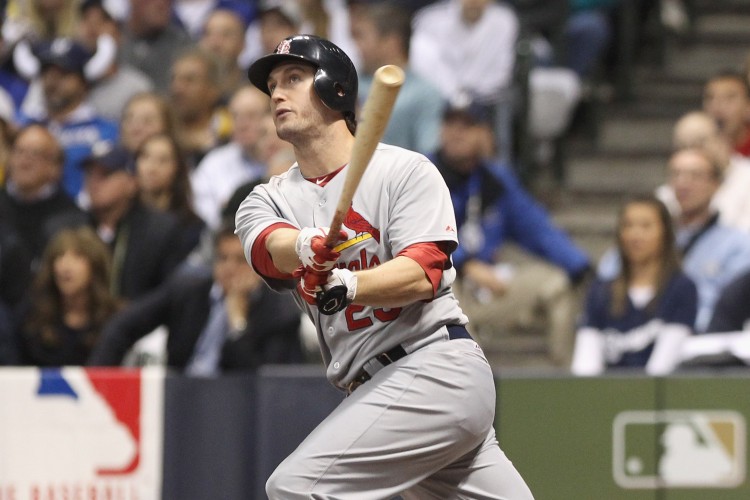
point(287, 132)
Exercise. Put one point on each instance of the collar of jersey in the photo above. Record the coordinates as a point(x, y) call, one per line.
point(324, 179)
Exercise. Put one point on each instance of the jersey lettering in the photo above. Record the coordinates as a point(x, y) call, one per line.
point(356, 323)
point(362, 263)
point(386, 315)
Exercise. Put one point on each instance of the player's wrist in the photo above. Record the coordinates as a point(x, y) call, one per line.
point(338, 292)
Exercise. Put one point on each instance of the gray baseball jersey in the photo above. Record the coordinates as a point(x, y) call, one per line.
point(401, 200)
point(422, 427)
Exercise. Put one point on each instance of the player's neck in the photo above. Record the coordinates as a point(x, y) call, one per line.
point(325, 153)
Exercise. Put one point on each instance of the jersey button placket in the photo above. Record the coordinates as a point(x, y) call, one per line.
point(318, 212)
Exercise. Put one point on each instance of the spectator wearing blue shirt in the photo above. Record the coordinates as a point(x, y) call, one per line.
point(65, 76)
point(493, 209)
point(641, 316)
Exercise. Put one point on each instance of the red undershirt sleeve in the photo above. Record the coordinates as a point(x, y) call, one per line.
point(432, 257)
point(260, 257)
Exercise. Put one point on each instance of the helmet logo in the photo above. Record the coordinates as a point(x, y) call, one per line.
point(284, 47)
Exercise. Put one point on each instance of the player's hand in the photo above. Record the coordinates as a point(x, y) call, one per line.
point(337, 292)
point(312, 250)
point(310, 283)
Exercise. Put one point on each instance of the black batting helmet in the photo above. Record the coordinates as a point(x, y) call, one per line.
point(335, 79)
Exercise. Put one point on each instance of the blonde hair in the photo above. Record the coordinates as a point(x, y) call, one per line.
point(64, 24)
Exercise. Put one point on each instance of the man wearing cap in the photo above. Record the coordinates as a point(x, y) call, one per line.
point(492, 209)
point(64, 75)
point(32, 200)
point(145, 243)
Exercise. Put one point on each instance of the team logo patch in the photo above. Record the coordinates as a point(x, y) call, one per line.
point(284, 47)
point(678, 449)
point(363, 229)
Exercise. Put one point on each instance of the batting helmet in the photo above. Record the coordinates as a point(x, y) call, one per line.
point(335, 80)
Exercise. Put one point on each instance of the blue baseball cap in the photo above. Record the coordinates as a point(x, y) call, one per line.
point(111, 157)
point(471, 112)
point(64, 53)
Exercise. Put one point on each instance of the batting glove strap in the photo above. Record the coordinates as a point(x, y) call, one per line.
point(338, 292)
point(312, 250)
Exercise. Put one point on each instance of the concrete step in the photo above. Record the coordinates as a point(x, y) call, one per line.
point(701, 60)
point(723, 28)
point(590, 220)
point(651, 134)
point(710, 7)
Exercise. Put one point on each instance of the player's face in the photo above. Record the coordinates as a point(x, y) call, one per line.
point(726, 100)
point(156, 167)
point(297, 111)
point(641, 233)
point(693, 180)
point(72, 273)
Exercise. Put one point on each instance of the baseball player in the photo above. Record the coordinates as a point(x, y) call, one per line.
point(421, 398)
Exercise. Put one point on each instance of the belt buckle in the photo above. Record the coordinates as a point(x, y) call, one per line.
point(360, 379)
point(353, 386)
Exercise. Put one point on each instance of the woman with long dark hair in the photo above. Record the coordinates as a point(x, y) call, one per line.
point(162, 174)
point(640, 318)
point(70, 300)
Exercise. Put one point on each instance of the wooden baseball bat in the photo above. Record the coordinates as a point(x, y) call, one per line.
point(376, 112)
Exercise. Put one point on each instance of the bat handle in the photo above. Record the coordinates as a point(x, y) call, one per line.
point(333, 232)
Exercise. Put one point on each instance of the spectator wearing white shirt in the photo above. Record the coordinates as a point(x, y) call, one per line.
point(227, 167)
point(466, 47)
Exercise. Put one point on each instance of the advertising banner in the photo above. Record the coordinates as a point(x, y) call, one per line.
point(81, 434)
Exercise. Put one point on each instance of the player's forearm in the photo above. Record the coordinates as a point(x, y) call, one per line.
point(280, 245)
point(396, 283)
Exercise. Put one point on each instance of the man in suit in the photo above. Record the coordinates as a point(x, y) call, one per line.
point(217, 321)
point(145, 243)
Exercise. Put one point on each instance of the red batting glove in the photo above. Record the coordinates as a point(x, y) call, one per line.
point(312, 250)
point(310, 283)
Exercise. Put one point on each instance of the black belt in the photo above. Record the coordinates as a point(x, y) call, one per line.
point(398, 352)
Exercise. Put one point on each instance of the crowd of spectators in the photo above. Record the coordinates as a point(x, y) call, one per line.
point(129, 134)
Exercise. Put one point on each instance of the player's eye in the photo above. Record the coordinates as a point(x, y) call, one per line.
point(271, 87)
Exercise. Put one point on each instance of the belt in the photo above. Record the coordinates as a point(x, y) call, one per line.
point(398, 352)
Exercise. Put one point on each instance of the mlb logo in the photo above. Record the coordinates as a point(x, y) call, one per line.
point(81, 433)
point(679, 449)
